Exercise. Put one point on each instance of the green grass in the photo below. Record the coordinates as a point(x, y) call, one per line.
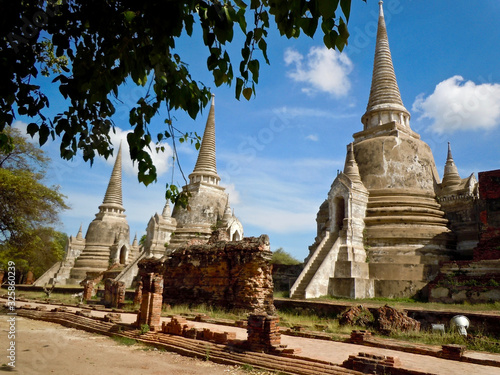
point(123, 340)
point(476, 343)
point(409, 303)
point(213, 312)
point(41, 296)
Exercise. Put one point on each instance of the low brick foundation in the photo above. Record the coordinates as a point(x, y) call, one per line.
point(372, 364)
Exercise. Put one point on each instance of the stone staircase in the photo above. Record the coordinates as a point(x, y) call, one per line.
point(298, 289)
point(181, 237)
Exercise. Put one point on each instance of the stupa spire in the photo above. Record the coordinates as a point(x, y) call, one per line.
point(113, 196)
point(384, 104)
point(451, 178)
point(205, 169)
point(166, 211)
point(351, 169)
point(79, 235)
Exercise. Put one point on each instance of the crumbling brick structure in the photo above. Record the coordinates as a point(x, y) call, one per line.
point(89, 284)
point(151, 275)
point(229, 274)
point(488, 247)
point(88, 289)
point(375, 364)
point(138, 293)
point(114, 293)
point(263, 333)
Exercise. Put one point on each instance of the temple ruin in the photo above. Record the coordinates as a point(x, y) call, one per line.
point(389, 223)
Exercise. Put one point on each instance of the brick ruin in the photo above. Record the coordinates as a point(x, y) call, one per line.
point(227, 274)
point(151, 275)
point(114, 293)
point(476, 280)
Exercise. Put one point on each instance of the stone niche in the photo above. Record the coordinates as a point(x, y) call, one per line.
point(228, 274)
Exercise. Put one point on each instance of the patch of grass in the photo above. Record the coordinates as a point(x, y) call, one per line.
point(282, 294)
point(213, 312)
point(410, 303)
point(41, 296)
point(476, 342)
point(123, 340)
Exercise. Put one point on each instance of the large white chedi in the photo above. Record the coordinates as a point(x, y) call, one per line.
point(383, 231)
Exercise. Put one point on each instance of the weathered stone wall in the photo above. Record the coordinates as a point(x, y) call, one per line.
point(284, 276)
point(232, 275)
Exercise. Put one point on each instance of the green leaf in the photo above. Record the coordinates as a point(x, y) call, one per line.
point(346, 8)
point(32, 129)
point(247, 93)
point(327, 7)
point(239, 87)
point(253, 66)
point(129, 16)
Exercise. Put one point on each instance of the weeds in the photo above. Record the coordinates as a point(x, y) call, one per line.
point(124, 340)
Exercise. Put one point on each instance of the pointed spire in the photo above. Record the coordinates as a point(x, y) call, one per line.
point(135, 243)
point(384, 93)
point(79, 235)
point(166, 211)
point(351, 169)
point(451, 178)
point(205, 169)
point(227, 212)
point(113, 196)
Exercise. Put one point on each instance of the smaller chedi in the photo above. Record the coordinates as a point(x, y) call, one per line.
point(107, 242)
point(107, 245)
point(208, 207)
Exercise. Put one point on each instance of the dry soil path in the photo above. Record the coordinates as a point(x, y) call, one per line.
point(51, 349)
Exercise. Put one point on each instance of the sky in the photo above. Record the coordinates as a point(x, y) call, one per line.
point(278, 154)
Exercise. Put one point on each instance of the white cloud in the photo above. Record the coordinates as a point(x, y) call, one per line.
point(457, 104)
point(322, 70)
point(162, 160)
point(312, 137)
point(234, 195)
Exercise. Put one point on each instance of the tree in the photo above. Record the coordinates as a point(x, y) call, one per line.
point(280, 256)
point(95, 46)
point(28, 208)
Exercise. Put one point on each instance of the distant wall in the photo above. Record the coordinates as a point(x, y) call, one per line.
point(228, 274)
point(285, 275)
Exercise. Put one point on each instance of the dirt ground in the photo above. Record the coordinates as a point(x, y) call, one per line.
point(48, 348)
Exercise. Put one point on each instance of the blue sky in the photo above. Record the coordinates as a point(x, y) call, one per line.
point(278, 153)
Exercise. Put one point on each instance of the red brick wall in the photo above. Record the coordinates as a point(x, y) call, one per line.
point(489, 216)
